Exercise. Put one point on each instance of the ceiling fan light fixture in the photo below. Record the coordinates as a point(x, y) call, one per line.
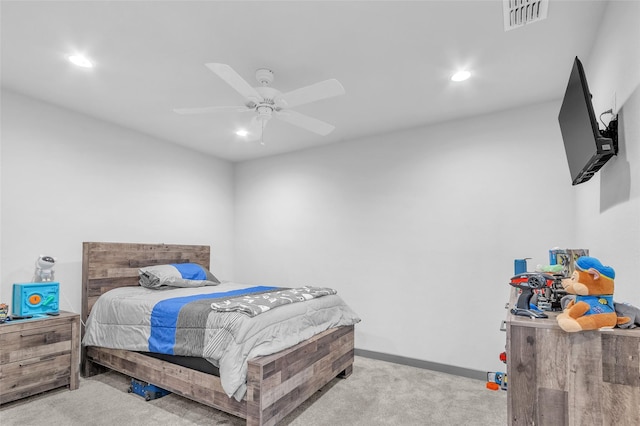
point(81, 61)
point(461, 75)
point(242, 132)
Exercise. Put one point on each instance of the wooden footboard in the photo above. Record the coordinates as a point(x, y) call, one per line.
point(276, 384)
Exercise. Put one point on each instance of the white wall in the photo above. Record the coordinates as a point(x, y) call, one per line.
point(417, 230)
point(437, 215)
point(608, 206)
point(67, 178)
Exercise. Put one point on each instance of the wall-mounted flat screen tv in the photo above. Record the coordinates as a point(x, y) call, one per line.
point(587, 147)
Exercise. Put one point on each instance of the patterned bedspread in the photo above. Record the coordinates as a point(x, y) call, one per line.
point(259, 302)
point(181, 321)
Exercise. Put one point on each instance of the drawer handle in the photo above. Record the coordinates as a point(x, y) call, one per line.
point(49, 336)
point(37, 333)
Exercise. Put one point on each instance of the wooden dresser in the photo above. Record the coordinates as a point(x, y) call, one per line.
point(559, 378)
point(39, 354)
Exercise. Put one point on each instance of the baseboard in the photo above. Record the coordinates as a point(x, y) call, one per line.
point(428, 365)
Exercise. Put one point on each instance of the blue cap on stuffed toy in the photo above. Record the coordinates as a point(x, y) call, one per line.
point(585, 263)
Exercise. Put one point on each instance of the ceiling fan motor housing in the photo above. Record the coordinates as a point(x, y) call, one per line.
point(264, 112)
point(271, 98)
point(264, 76)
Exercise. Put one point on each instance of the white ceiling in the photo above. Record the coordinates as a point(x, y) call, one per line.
point(394, 59)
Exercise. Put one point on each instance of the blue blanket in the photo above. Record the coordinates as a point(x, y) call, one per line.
point(178, 324)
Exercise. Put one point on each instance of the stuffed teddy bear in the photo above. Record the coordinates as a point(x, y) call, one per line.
point(44, 269)
point(592, 308)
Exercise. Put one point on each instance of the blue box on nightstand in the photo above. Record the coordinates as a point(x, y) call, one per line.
point(36, 298)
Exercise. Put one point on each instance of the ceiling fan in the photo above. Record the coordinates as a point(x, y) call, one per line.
point(268, 102)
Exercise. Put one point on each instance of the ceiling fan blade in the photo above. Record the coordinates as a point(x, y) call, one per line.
point(234, 80)
point(212, 109)
point(309, 123)
point(315, 92)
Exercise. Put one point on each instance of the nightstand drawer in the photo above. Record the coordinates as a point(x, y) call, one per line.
point(35, 342)
point(34, 375)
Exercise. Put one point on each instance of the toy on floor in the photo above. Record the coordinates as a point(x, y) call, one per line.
point(147, 390)
point(496, 380)
point(44, 269)
point(592, 308)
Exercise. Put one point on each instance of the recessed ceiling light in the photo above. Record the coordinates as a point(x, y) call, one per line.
point(242, 132)
point(81, 61)
point(461, 75)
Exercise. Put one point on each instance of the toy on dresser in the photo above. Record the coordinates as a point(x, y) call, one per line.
point(44, 269)
point(592, 308)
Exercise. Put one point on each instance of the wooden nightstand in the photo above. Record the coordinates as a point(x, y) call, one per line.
point(560, 378)
point(39, 354)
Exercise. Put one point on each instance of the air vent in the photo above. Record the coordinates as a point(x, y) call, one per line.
point(518, 13)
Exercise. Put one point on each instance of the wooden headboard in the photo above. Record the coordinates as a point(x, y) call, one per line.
point(106, 266)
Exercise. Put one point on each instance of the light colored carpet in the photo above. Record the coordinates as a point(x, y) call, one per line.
point(377, 393)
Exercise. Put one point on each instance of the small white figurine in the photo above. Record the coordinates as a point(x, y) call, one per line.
point(44, 269)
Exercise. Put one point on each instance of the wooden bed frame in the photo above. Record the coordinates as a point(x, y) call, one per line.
point(276, 384)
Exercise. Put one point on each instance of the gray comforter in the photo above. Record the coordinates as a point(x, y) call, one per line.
point(126, 318)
